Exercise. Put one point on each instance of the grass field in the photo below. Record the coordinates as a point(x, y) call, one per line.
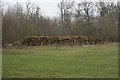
point(98, 61)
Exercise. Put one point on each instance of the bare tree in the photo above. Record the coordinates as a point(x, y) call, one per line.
point(66, 9)
point(19, 12)
point(0, 24)
point(84, 17)
point(108, 20)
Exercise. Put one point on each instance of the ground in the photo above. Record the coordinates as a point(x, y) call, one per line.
point(98, 61)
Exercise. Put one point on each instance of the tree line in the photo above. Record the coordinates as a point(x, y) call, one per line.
point(98, 19)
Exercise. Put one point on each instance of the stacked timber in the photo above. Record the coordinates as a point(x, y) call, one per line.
point(64, 40)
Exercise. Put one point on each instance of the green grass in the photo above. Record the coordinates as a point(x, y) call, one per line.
point(98, 61)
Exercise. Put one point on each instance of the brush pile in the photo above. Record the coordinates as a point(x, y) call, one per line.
point(64, 40)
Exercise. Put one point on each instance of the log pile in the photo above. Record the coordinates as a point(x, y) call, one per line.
point(64, 40)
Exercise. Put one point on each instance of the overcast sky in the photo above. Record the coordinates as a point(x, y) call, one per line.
point(48, 7)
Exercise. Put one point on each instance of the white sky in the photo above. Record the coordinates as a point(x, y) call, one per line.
point(48, 7)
